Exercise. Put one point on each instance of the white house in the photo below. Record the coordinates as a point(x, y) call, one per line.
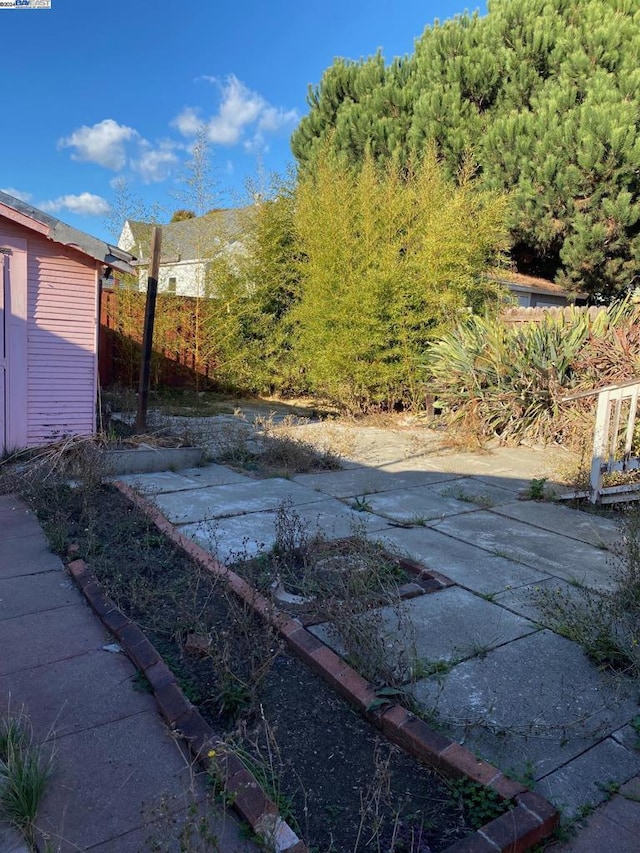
point(188, 247)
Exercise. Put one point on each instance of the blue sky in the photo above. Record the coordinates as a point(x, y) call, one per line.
point(97, 91)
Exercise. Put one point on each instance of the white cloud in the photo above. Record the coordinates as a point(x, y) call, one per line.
point(85, 204)
point(275, 118)
point(155, 164)
point(188, 122)
point(240, 109)
point(21, 194)
point(102, 144)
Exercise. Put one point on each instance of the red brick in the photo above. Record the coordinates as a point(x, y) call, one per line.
point(98, 600)
point(80, 573)
point(356, 689)
point(464, 763)
point(420, 741)
point(475, 843)
point(229, 764)
point(92, 592)
point(507, 788)
point(326, 662)
point(130, 635)
point(516, 831)
point(303, 643)
point(159, 674)
point(249, 798)
point(172, 702)
point(114, 620)
point(198, 734)
point(143, 654)
point(545, 810)
point(285, 624)
point(393, 718)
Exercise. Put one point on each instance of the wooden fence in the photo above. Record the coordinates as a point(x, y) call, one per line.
point(520, 315)
point(177, 359)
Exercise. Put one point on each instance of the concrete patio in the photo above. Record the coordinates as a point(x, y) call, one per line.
point(521, 696)
point(121, 781)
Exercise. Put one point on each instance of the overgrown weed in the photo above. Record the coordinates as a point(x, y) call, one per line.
point(25, 769)
point(605, 623)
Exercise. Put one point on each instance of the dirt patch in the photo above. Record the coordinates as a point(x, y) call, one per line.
point(343, 785)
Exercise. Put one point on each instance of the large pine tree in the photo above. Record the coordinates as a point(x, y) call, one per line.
point(545, 94)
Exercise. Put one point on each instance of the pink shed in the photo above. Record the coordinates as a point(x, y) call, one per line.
point(49, 287)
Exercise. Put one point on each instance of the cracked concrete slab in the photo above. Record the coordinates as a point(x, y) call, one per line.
point(590, 778)
point(531, 705)
point(584, 526)
point(465, 564)
point(249, 496)
point(543, 550)
point(416, 506)
point(443, 626)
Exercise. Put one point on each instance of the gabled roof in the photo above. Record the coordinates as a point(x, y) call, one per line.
point(189, 239)
point(29, 216)
point(519, 282)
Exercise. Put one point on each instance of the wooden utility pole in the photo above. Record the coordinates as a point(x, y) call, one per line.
point(147, 338)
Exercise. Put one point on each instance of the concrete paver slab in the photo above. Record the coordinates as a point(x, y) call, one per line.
point(465, 564)
point(367, 481)
point(417, 506)
point(585, 526)
point(190, 478)
point(241, 537)
point(584, 780)
point(34, 557)
point(214, 475)
point(164, 834)
point(530, 705)
point(232, 499)
point(524, 599)
point(480, 493)
point(444, 626)
point(129, 780)
point(43, 592)
point(39, 638)
point(541, 549)
point(51, 692)
point(157, 483)
point(232, 539)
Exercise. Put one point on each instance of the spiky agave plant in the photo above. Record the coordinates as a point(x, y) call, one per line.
point(505, 380)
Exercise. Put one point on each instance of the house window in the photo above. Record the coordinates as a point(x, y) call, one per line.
point(171, 285)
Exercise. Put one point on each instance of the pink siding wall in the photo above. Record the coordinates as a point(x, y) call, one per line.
point(61, 339)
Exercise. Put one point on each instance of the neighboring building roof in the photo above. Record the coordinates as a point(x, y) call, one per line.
point(59, 232)
point(518, 282)
point(187, 240)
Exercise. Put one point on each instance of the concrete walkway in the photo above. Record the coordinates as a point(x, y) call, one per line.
point(516, 693)
point(121, 782)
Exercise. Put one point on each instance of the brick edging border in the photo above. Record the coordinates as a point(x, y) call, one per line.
point(240, 786)
point(532, 817)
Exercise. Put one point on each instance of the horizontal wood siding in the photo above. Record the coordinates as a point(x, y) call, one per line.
point(61, 341)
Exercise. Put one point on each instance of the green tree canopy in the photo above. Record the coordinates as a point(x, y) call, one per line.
point(388, 257)
point(546, 96)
